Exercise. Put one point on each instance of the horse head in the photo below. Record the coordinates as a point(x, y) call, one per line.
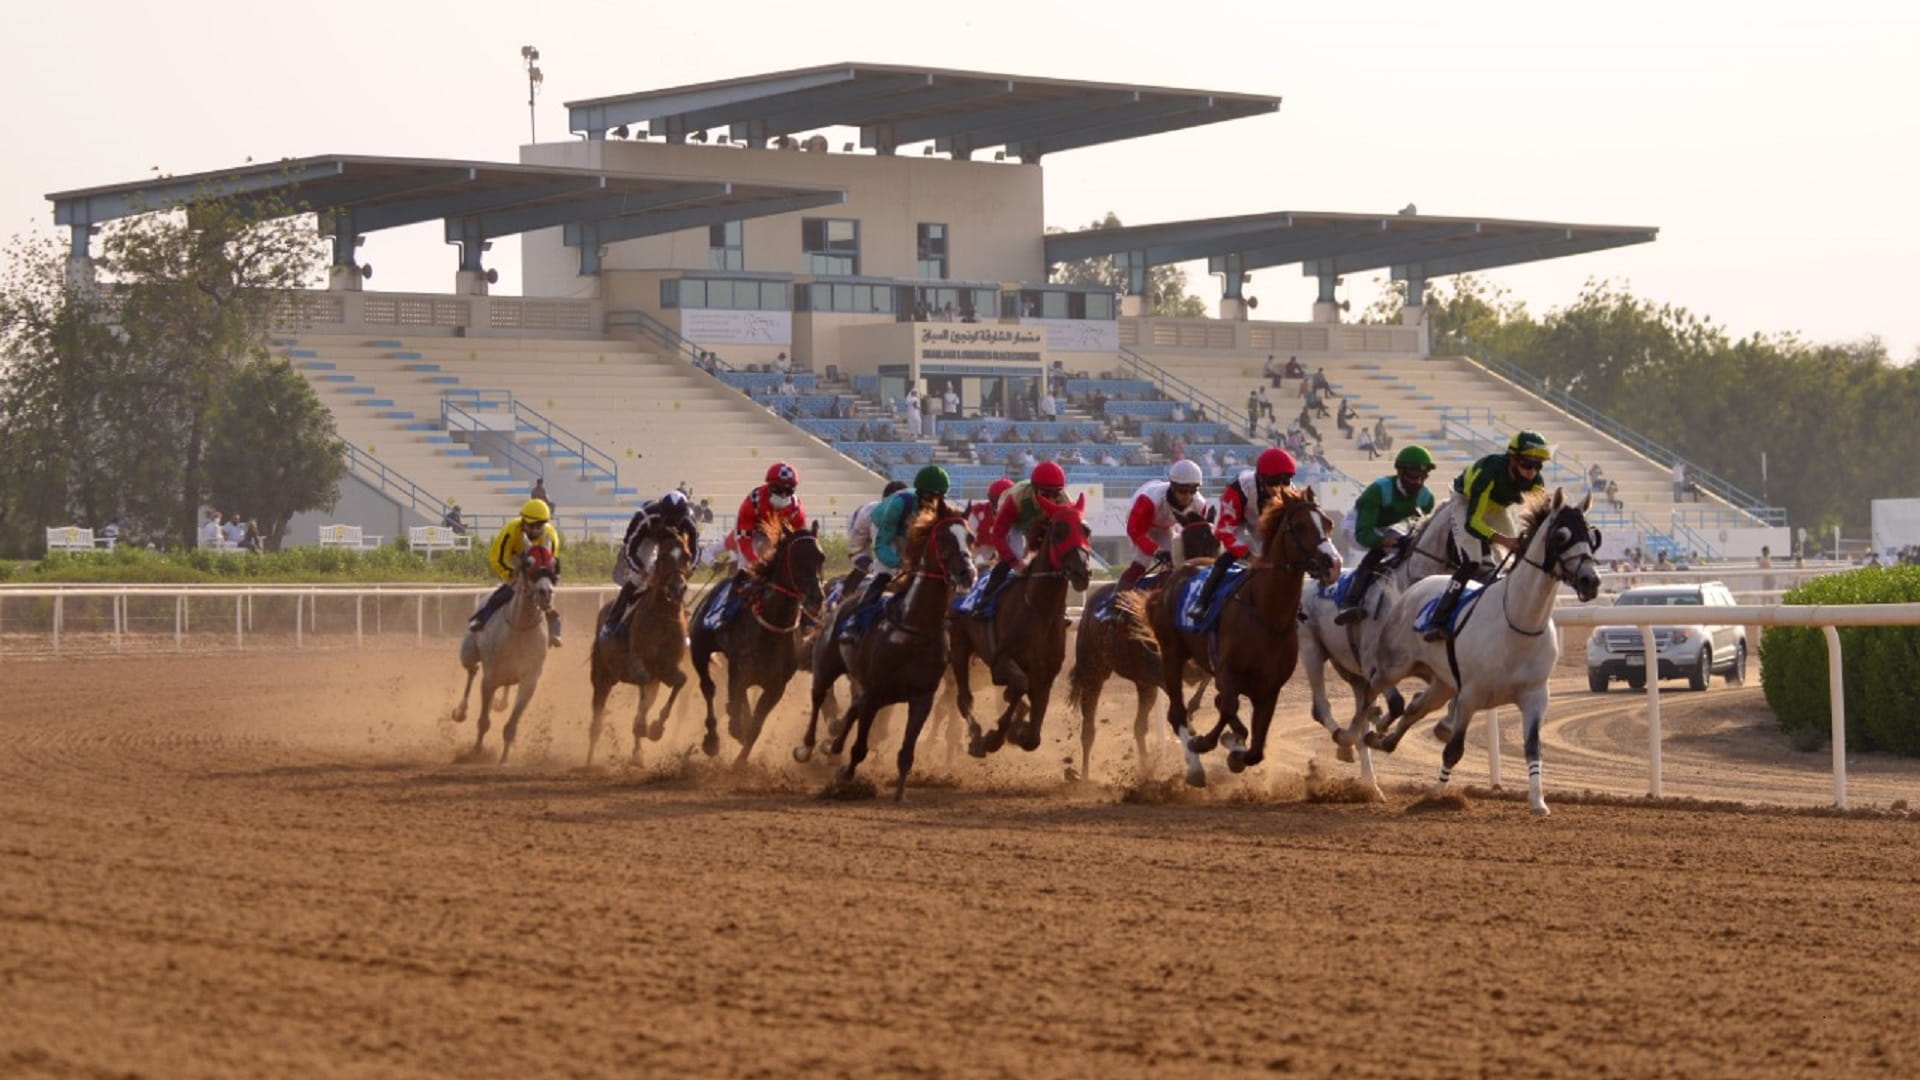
point(1294, 535)
point(944, 544)
point(1197, 538)
point(794, 566)
point(1566, 543)
point(540, 572)
point(1069, 546)
point(672, 565)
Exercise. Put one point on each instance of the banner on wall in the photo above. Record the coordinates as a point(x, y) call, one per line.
point(971, 342)
point(1078, 335)
point(716, 326)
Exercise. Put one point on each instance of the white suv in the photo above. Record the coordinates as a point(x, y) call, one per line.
point(1692, 649)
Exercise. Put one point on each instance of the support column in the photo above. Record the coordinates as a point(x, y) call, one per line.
point(1134, 304)
point(1233, 305)
point(1326, 309)
point(80, 257)
point(471, 280)
point(344, 274)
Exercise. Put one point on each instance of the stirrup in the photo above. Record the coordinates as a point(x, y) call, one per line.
point(476, 624)
point(1438, 631)
point(1350, 614)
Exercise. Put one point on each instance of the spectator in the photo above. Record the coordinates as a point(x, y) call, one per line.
point(1382, 441)
point(250, 538)
point(1317, 402)
point(1613, 495)
point(951, 401)
point(1179, 413)
point(210, 534)
point(1199, 414)
point(1229, 460)
point(910, 411)
point(1294, 370)
point(1209, 464)
point(1049, 407)
point(1344, 421)
point(1253, 407)
point(787, 386)
point(540, 492)
point(782, 365)
point(1272, 372)
point(1266, 404)
point(1320, 384)
point(932, 405)
point(703, 513)
point(1107, 458)
point(111, 534)
point(452, 520)
point(1679, 480)
point(1366, 444)
point(1596, 478)
point(233, 532)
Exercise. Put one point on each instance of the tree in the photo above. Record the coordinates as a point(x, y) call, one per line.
point(109, 387)
point(273, 452)
point(1167, 294)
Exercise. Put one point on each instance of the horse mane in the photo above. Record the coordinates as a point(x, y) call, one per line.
point(921, 527)
point(1270, 517)
point(1534, 510)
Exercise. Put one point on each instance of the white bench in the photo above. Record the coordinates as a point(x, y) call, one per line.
point(432, 538)
point(349, 537)
point(73, 538)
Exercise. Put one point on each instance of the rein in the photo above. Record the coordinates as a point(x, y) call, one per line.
point(1557, 573)
point(799, 605)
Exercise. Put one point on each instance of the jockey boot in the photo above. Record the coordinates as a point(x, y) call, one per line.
point(876, 587)
point(1215, 575)
point(617, 614)
point(1443, 611)
point(997, 577)
point(553, 630)
point(1355, 608)
point(1130, 577)
point(493, 603)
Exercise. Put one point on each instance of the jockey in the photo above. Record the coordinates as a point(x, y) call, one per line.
point(1386, 502)
point(664, 520)
point(860, 534)
point(534, 527)
point(1151, 520)
point(1020, 512)
point(768, 509)
point(980, 518)
point(894, 516)
point(1481, 520)
point(1241, 505)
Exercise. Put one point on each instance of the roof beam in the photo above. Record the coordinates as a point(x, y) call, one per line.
point(838, 95)
point(165, 193)
point(335, 196)
point(933, 127)
point(1544, 249)
point(613, 230)
point(598, 116)
point(1148, 124)
point(1084, 119)
point(415, 211)
point(514, 222)
point(1412, 252)
point(908, 101)
point(1344, 241)
point(1089, 243)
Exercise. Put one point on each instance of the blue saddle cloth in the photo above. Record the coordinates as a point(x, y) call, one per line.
point(1337, 592)
point(835, 593)
point(979, 603)
point(1208, 619)
point(1103, 607)
point(861, 619)
point(1424, 621)
point(721, 607)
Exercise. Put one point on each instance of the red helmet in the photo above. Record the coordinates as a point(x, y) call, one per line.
point(998, 488)
point(782, 473)
point(1047, 474)
point(1274, 461)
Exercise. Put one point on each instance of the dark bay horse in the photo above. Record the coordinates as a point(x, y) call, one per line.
point(903, 654)
point(1256, 645)
point(649, 653)
point(1104, 648)
point(761, 643)
point(1025, 642)
point(511, 649)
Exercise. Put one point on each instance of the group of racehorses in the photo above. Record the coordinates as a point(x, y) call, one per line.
point(898, 650)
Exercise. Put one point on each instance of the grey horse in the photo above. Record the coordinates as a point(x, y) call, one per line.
point(510, 649)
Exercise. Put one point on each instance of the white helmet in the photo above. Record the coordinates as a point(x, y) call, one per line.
point(1185, 472)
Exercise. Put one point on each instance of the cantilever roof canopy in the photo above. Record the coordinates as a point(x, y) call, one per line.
point(960, 111)
point(478, 200)
point(1413, 246)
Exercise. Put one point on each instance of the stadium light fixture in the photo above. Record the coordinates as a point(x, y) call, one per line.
point(531, 57)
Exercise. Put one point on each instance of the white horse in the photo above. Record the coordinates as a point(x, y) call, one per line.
point(511, 648)
point(1323, 641)
point(1505, 647)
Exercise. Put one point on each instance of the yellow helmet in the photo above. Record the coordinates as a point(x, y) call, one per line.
point(537, 510)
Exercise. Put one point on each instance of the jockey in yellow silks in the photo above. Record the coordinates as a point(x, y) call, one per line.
point(532, 528)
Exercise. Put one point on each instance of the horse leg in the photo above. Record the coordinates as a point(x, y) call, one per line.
point(485, 721)
point(1533, 710)
point(769, 698)
point(918, 708)
point(1086, 694)
point(1173, 664)
point(1422, 705)
point(676, 682)
point(860, 724)
point(513, 720)
point(648, 691)
point(460, 710)
point(1226, 703)
point(824, 675)
point(702, 650)
point(1255, 752)
point(1039, 693)
point(1144, 697)
point(960, 666)
point(1449, 757)
point(1008, 673)
point(601, 688)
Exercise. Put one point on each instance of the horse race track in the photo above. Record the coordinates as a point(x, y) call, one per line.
point(265, 865)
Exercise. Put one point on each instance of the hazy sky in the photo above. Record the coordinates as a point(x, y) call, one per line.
point(1775, 146)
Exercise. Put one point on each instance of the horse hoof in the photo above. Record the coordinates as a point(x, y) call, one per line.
point(657, 731)
point(803, 754)
point(1539, 808)
point(1442, 732)
point(710, 745)
point(1029, 739)
point(1344, 753)
point(460, 714)
point(1373, 741)
point(900, 790)
point(1196, 778)
point(976, 747)
point(992, 742)
point(1343, 739)
point(1236, 761)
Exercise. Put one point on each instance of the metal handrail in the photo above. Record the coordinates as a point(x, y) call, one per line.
point(372, 469)
point(515, 453)
point(589, 454)
point(648, 326)
point(1709, 482)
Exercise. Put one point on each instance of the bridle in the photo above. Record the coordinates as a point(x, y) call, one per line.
point(1558, 571)
point(784, 559)
point(1270, 554)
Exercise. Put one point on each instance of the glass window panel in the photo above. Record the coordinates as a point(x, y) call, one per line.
point(719, 294)
point(1099, 306)
point(1053, 305)
point(693, 293)
point(669, 293)
point(839, 231)
point(773, 296)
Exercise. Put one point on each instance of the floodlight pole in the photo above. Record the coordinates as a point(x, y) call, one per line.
point(531, 56)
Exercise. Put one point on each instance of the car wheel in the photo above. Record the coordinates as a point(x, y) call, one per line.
point(1597, 681)
point(1636, 681)
point(1702, 669)
point(1737, 674)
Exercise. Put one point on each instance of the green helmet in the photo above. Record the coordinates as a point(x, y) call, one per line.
point(932, 480)
point(1413, 456)
point(1530, 444)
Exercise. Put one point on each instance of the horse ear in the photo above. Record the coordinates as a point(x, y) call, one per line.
point(815, 528)
point(1080, 504)
point(1586, 502)
point(1559, 498)
point(1213, 514)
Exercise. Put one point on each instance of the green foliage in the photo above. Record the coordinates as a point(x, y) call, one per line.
point(1882, 666)
point(1167, 294)
point(585, 563)
point(273, 452)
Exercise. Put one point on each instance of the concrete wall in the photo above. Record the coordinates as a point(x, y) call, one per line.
point(362, 504)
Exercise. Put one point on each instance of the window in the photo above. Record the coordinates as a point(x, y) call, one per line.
point(931, 250)
point(844, 296)
point(832, 245)
point(724, 248)
point(740, 295)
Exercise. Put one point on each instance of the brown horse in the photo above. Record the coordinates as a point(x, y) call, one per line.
point(903, 654)
point(649, 653)
point(1025, 642)
point(1104, 648)
point(1255, 647)
point(762, 648)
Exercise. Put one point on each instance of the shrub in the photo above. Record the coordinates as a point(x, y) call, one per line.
point(1882, 668)
point(587, 563)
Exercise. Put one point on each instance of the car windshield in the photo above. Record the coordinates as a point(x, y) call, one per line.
point(1659, 600)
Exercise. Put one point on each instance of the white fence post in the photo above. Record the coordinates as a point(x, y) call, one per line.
point(359, 620)
point(1837, 704)
point(179, 619)
point(239, 622)
point(57, 601)
point(420, 619)
point(1651, 657)
point(299, 627)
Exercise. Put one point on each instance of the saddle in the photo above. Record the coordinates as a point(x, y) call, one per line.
point(723, 605)
point(980, 603)
point(1337, 592)
point(1103, 607)
point(1468, 597)
point(857, 622)
point(1236, 576)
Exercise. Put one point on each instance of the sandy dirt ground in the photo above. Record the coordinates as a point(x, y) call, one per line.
point(267, 864)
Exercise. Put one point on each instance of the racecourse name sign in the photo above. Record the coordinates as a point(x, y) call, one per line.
point(1010, 344)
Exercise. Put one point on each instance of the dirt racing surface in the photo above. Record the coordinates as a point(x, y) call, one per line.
point(267, 864)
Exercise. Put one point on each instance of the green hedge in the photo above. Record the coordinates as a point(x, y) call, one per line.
point(1882, 666)
point(587, 562)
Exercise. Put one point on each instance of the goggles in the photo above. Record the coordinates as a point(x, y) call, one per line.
point(1529, 466)
point(781, 489)
point(1183, 489)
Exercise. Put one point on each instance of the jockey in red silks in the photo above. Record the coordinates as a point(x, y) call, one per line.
point(1241, 505)
point(1020, 512)
point(980, 518)
point(1151, 519)
point(768, 511)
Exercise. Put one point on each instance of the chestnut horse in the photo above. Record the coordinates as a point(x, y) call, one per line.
point(1256, 645)
point(1103, 648)
point(903, 654)
point(762, 649)
point(1025, 642)
point(649, 653)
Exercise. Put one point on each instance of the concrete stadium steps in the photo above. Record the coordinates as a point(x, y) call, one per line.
point(1412, 393)
point(663, 422)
